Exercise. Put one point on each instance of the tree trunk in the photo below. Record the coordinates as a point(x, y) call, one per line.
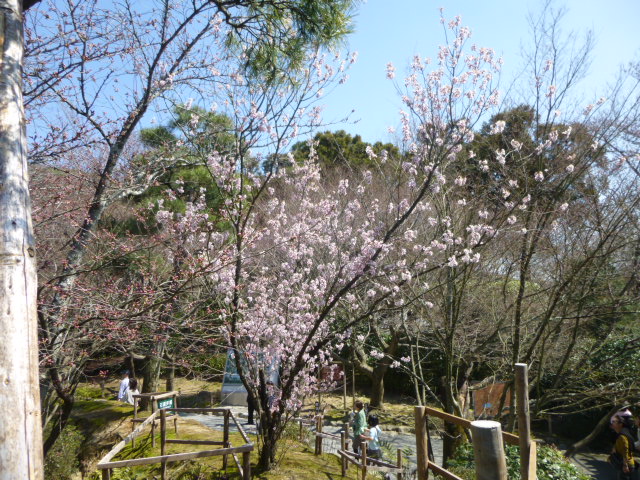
point(151, 378)
point(171, 378)
point(269, 441)
point(20, 428)
point(376, 398)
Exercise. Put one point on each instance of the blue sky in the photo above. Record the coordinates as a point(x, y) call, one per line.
point(393, 31)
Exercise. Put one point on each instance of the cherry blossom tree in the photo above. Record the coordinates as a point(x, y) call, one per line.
point(301, 250)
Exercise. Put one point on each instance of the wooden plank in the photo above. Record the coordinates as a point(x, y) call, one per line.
point(375, 468)
point(327, 435)
point(176, 457)
point(116, 449)
point(509, 438)
point(355, 461)
point(442, 472)
point(380, 463)
point(240, 429)
point(533, 460)
point(448, 417)
point(155, 396)
point(195, 442)
point(199, 410)
point(138, 420)
point(235, 459)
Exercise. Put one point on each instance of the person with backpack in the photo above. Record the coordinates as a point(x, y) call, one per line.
point(622, 455)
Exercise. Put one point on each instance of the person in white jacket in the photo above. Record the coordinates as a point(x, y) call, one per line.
point(124, 386)
point(131, 391)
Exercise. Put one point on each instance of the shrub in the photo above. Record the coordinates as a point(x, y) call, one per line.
point(551, 464)
point(62, 460)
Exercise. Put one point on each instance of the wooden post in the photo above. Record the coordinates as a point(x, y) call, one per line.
point(106, 474)
point(246, 465)
point(344, 386)
point(399, 454)
point(422, 444)
point(346, 435)
point(318, 449)
point(21, 425)
point(300, 434)
point(488, 450)
point(153, 424)
point(532, 473)
point(163, 442)
point(225, 439)
point(343, 461)
point(353, 387)
point(175, 420)
point(135, 416)
point(320, 439)
point(363, 456)
point(524, 422)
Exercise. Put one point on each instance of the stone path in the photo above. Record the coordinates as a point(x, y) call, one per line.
point(594, 464)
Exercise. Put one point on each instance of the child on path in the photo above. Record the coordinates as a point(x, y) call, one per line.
point(372, 435)
point(131, 391)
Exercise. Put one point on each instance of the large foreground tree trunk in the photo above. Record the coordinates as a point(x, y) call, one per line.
point(20, 427)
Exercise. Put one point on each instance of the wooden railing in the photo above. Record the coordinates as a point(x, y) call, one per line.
point(493, 465)
point(106, 464)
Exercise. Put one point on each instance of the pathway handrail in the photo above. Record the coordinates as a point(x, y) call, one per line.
point(119, 446)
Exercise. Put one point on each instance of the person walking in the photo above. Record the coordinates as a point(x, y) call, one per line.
point(359, 424)
point(622, 455)
point(372, 435)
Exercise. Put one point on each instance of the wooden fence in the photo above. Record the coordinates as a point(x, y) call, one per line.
point(366, 464)
point(361, 461)
point(492, 465)
point(106, 464)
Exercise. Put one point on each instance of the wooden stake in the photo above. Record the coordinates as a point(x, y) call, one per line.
point(246, 466)
point(363, 455)
point(489, 451)
point(175, 420)
point(399, 463)
point(422, 444)
point(343, 461)
point(344, 386)
point(524, 421)
point(163, 442)
point(225, 439)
